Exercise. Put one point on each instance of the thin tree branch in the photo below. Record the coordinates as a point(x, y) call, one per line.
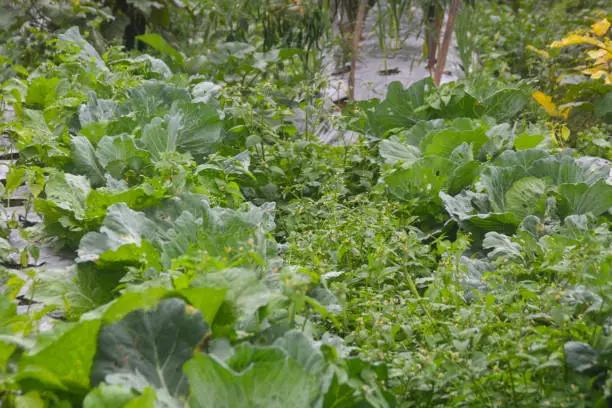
point(446, 42)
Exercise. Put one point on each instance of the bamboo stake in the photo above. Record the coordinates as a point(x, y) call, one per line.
point(446, 42)
point(355, 51)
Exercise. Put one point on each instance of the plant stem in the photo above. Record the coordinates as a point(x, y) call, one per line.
point(446, 42)
point(433, 25)
point(355, 51)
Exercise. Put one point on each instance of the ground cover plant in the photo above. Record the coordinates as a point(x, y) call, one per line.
point(175, 233)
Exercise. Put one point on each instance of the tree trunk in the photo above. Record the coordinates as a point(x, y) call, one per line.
point(355, 48)
point(137, 26)
point(446, 42)
point(433, 28)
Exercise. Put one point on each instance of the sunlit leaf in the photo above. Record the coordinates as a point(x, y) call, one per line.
point(601, 27)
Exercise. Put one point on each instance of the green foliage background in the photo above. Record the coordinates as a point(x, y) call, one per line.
point(455, 252)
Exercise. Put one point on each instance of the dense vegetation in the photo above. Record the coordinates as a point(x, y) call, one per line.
point(456, 252)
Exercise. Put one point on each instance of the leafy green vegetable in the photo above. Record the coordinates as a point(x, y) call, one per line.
point(62, 362)
point(453, 251)
point(153, 344)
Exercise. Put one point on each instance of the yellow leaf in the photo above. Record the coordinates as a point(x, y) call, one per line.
point(569, 40)
point(546, 102)
point(565, 133)
point(554, 137)
point(598, 74)
point(595, 54)
point(560, 134)
point(538, 51)
point(565, 113)
point(574, 39)
point(601, 27)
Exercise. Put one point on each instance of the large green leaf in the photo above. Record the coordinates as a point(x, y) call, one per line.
point(206, 299)
point(119, 153)
point(497, 181)
point(64, 192)
point(71, 208)
point(153, 344)
point(400, 109)
point(522, 158)
point(153, 64)
point(188, 220)
point(460, 104)
point(42, 91)
point(8, 313)
point(247, 290)
point(421, 129)
point(159, 136)
point(71, 291)
point(150, 99)
point(157, 42)
point(201, 129)
point(526, 196)
point(579, 356)
point(300, 349)
point(463, 176)
point(424, 179)
point(178, 239)
point(175, 226)
point(85, 160)
point(582, 199)
point(564, 169)
point(500, 138)
point(528, 141)
point(465, 204)
point(97, 110)
point(108, 396)
point(506, 104)
point(123, 228)
point(68, 356)
point(194, 129)
point(442, 143)
point(473, 212)
point(88, 52)
point(502, 246)
point(252, 378)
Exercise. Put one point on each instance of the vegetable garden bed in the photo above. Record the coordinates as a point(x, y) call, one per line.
point(175, 233)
